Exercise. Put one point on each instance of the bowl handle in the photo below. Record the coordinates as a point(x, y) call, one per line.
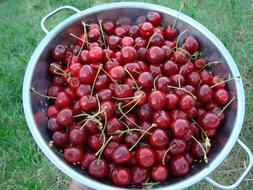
point(233, 186)
point(42, 23)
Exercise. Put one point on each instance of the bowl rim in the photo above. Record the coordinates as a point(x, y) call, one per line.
point(95, 183)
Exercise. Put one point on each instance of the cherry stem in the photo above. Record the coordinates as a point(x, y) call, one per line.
point(194, 55)
point(151, 38)
point(208, 64)
point(84, 34)
point(179, 74)
point(229, 79)
point(42, 95)
point(204, 151)
point(127, 98)
point(99, 107)
point(180, 35)
point(152, 126)
point(151, 183)
point(183, 90)
point(225, 107)
point(154, 85)
point(129, 130)
point(179, 12)
point(125, 125)
point(125, 114)
point(109, 76)
point(105, 124)
point(80, 115)
point(92, 117)
point(166, 152)
point(93, 85)
point(102, 33)
point(64, 73)
point(206, 139)
point(100, 151)
point(131, 77)
point(136, 99)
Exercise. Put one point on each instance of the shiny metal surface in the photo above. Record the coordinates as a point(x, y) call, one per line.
point(37, 76)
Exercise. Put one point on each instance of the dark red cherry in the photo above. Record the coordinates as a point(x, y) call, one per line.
point(82, 90)
point(159, 138)
point(109, 110)
point(133, 68)
point(141, 54)
point(146, 29)
point(123, 91)
point(221, 96)
point(139, 175)
point(205, 76)
point(108, 26)
point(58, 53)
point(170, 68)
point(113, 126)
point(120, 31)
point(87, 159)
point(162, 119)
point(140, 42)
point(191, 44)
point(131, 120)
point(159, 173)
point(180, 127)
point(53, 125)
point(178, 146)
point(93, 35)
point(186, 102)
point(193, 79)
point(102, 82)
point(156, 100)
point(170, 33)
point(145, 112)
point(91, 127)
point(110, 148)
point(105, 94)
point(199, 62)
point(121, 154)
point(177, 114)
point(142, 95)
point(155, 55)
point(77, 137)
point(62, 100)
point(171, 101)
point(155, 70)
point(209, 121)
point(218, 82)
point(197, 150)
point(64, 117)
point(134, 31)
point(113, 42)
point(205, 93)
point(160, 156)
point(175, 79)
point(129, 54)
point(95, 141)
point(145, 80)
point(96, 54)
point(154, 18)
point(145, 156)
point(52, 111)
point(179, 165)
point(189, 158)
point(127, 41)
point(88, 103)
point(121, 176)
point(87, 74)
point(60, 139)
point(117, 73)
point(73, 155)
point(181, 56)
point(131, 138)
point(98, 168)
point(162, 84)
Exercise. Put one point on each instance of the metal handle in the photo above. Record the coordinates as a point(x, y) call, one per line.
point(54, 12)
point(237, 183)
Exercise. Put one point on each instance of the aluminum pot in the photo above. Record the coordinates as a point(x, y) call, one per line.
point(37, 75)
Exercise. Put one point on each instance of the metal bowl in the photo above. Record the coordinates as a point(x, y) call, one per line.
point(37, 75)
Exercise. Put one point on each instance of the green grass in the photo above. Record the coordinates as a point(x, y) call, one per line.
point(22, 165)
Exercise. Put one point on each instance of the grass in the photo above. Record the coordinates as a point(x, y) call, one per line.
point(22, 165)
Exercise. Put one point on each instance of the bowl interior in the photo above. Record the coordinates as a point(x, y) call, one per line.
point(41, 79)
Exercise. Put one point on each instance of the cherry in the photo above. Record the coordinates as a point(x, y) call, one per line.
point(129, 54)
point(108, 108)
point(77, 137)
point(142, 95)
point(199, 62)
point(86, 74)
point(110, 64)
point(58, 82)
point(127, 41)
point(139, 175)
point(140, 42)
point(143, 66)
point(130, 120)
point(221, 96)
point(146, 29)
point(52, 111)
point(141, 54)
point(189, 158)
point(179, 165)
point(93, 35)
point(197, 149)
point(167, 52)
point(186, 102)
point(159, 138)
point(95, 141)
point(191, 44)
point(121, 176)
point(120, 31)
point(141, 19)
point(110, 148)
point(162, 84)
point(193, 79)
point(192, 113)
point(105, 94)
point(177, 114)
point(87, 159)
point(156, 100)
point(117, 73)
point(98, 168)
point(64, 116)
point(82, 90)
point(60, 139)
point(178, 146)
point(121, 154)
point(172, 101)
point(161, 157)
point(58, 53)
point(73, 155)
point(123, 91)
point(154, 18)
point(145, 80)
point(218, 82)
point(96, 54)
point(162, 119)
point(155, 55)
point(62, 100)
point(159, 173)
point(108, 26)
point(180, 127)
point(175, 79)
point(155, 70)
point(134, 31)
point(205, 76)
point(53, 125)
point(170, 68)
point(88, 103)
point(170, 33)
point(133, 69)
point(102, 82)
point(145, 156)
point(131, 138)
point(217, 112)
point(205, 93)
point(113, 126)
point(157, 39)
point(209, 121)
point(181, 56)
point(113, 42)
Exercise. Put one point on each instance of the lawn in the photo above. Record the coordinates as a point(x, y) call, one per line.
point(22, 164)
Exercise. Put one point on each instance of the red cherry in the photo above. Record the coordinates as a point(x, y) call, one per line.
point(217, 112)
point(155, 70)
point(170, 33)
point(157, 40)
point(170, 68)
point(73, 155)
point(64, 117)
point(191, 44)
point(121, 176)
point(162, 119)
point(159, 173)
point(145, 112)
point(98, 168)
point(133, 68)
point(93, 35)
point(160, 156)
point(123, 91)
point(218, 82)
point(52, 111)
point(87, 159)
point(95, 141)
point(181, 56)
point(62, 100)
point(180, 127)
point(154, 18)
point(192, 113)
point(156, 100)
point(205, 93)
point(178, 146)
point(58, 53)
point(127, 41)
point(113, 42)
point(108, 108)
point(221, 96)
point(162, 84)
point(60, 139)
point(117, 73)
point(105, 94)
point(177, 114)
point(88, 103)
point(189, 158)
point(131, 138)
point(179, 165)
point(96, 54)
point(155, 55)
point(120, 31)
point(209, 121)
point(141, 19)
point(171, 101)
point(129, 54)
point(139, 175)
point(130, 120)
point(145, 80)
point(146, 29)
point(145, 156)
point(113, 126)
point(87, 74)
point(175, 80)
point(102, 82)
point(121, 154)
point(134, 31)
point(197, 150)
point(193, 79)
point(110, 148)
point(108, 26)
point(141, 54)
point(77, 137)
point(53, 125)
point(205, 76)
point(186, 102)
point(91, 127)
point(199, 62)
point(159, 138)
point(142, 95)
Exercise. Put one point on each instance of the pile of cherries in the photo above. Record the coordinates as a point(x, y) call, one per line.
point(133, 101)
